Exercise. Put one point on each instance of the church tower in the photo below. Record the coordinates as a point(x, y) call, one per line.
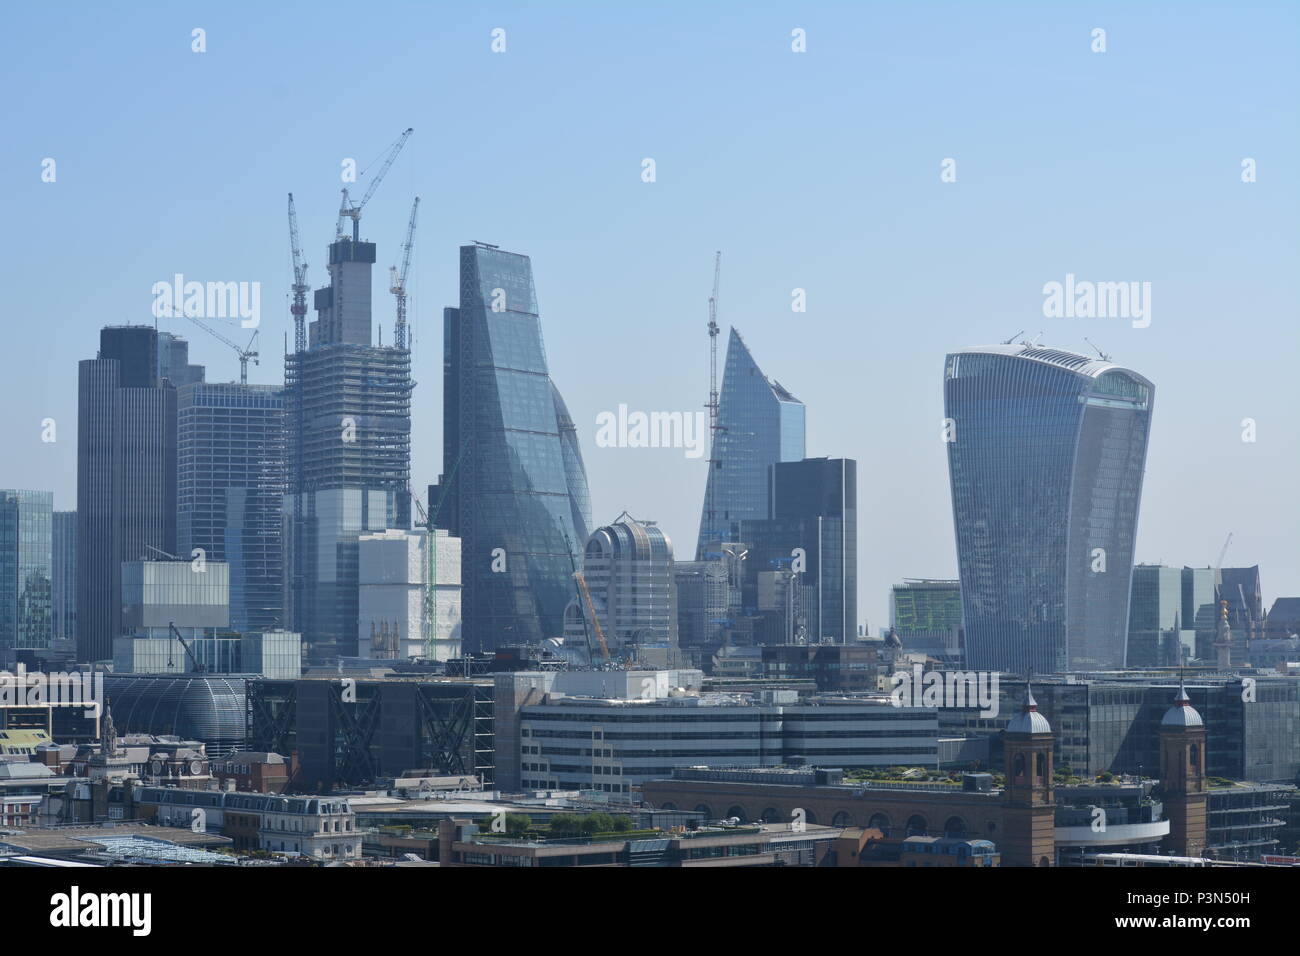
point(1182, 776)
point(1028, 804)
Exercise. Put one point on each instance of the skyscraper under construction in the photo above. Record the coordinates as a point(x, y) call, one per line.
point(348, 416)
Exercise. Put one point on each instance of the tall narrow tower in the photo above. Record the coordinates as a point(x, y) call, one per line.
point(1182, 775)
point(348, 417)
point(1028, 803)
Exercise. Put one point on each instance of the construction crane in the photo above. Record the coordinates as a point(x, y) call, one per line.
point(1219, 563)
point(398, 285)
point(713, 389)
point(351, 210)
point(300, 287)
point(581, 580)
point(246, 353)
point(198, 667)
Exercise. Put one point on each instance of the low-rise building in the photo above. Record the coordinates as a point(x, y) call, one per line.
point(320, 828)
point(782, 844)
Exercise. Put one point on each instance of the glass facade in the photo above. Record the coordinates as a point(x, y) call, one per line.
point(230, 487)
point(1046, 458)
point(813, 508)
point(126, 475)
point(26, 571)
point(64, 576)
point(1155, 611)
point(158, 593)
point(514, 489)
point(759, 424)
point(925, 615)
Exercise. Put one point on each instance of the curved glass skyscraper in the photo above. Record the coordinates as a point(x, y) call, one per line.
point(514, 489)
point(1046, 453)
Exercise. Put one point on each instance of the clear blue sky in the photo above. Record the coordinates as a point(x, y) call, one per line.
point(817, 170)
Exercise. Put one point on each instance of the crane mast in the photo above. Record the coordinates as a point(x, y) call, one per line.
point(398, 285)
point(713, 390)
point(351, 210)
point(299, 307)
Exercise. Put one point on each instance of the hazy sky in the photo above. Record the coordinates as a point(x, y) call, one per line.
point(817, 170)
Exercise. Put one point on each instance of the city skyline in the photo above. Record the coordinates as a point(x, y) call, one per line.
point(1145, 192)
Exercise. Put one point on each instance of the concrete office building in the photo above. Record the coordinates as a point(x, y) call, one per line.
point(628, 569)
point(612, 735)
point(410, 596)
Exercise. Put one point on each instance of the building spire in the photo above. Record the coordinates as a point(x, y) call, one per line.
point(108, 734)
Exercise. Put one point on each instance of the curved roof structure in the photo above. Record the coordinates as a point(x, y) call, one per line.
point(1029, 720)
point(1182, 714)
point(1084, 365)
point(194, 707)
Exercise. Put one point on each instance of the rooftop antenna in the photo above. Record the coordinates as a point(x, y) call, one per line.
point(1104, 356)
point(1034, 341)
point(1013, 338)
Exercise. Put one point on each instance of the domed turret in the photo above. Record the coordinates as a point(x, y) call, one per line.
point(1182, 714)
point(1029, 720)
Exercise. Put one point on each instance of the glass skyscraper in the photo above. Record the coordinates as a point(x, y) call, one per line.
point(813, 507)
point(126, 474)
point(64, 580)
point(514, 488)
point(759, 424)
point(1046, 451)
point(230, 489)
point(26, 570)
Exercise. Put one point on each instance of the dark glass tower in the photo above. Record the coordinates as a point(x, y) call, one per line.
point(230, 468)
point(126, 476)
point(64, 581)
point(759, 424)
point(813, 507)
point(514, 488)
point(348, 438)
point(1046, 458)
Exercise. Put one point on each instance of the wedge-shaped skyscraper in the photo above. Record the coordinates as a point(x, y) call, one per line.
point(1046, 452)
point(514, 488)
point(759, 424)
